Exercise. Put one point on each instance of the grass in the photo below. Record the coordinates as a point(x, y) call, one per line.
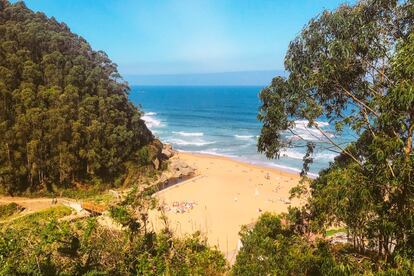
point(8, 210)
point(332, 232)
point(39, 218)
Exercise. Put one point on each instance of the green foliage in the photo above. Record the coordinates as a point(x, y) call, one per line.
point(275, 247)
point(26, 223)
point(355, 67)
point(271, 248)
point(65, 116)
point(120, 214)
point(332, 232)
point(39, 244)
point(7, 210)
point(143, 156)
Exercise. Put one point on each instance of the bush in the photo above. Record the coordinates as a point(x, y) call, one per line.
point(143, 156)
point(9, 209)
point(120, 214)
point(85, 248)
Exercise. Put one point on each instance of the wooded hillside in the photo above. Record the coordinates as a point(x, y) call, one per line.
point(65, 114)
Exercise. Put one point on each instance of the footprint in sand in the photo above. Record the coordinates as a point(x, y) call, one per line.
point(256, 192)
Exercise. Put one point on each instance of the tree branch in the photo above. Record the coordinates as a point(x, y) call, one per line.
point(357, 100)
point(336, 145)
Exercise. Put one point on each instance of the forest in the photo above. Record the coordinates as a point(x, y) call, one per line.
point(65, 116)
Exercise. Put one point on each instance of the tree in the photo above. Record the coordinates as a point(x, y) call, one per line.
point(354, 66)
point(274, 246)
point(65, 114)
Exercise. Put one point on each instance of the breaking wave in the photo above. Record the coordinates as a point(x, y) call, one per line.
point(189, 134)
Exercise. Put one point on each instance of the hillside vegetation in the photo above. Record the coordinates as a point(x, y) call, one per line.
point(353, 66)
point(64, 110)
point(44, 243)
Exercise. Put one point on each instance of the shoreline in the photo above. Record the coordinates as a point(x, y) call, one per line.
point(281, 170)
point(276, 167)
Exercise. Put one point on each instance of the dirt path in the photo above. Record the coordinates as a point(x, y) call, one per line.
point(35, 204)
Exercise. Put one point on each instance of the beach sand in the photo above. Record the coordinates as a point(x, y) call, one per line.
point(226, 194)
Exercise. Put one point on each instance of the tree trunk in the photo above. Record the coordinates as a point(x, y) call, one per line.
point(409, 143)
point(8, 152)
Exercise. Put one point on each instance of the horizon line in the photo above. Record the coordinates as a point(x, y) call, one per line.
point(204, 73)
point(235, 78)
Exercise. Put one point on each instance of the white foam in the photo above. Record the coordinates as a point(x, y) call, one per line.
point(299, 155)
point(291, 154)
point(215, 152)
point(306, 123)
point(327, 156)
point(197, 142)
point(303, 131)
point(244, 137)
point(151, 121)
point(291, 169)
point(189, 134)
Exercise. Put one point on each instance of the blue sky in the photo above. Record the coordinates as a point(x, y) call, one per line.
point(187, 36)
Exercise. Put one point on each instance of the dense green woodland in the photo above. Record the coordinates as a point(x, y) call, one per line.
point(64, 115)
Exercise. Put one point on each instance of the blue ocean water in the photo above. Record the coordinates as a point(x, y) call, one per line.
point(222, 120)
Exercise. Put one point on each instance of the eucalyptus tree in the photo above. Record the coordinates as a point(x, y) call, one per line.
point(355, 67)
point(64, 110)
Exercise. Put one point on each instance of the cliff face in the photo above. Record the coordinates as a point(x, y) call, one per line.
point(64, 109)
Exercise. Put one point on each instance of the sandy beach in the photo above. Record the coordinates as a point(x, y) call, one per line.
point(224, 195)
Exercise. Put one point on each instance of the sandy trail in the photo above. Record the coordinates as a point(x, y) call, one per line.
point(30, 204)
point(226, 195)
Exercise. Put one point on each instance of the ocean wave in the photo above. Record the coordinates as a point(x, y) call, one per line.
point(299, 155)
point(189, 134)
point(150, 121)
point(326, 156)
point(303, 131)
point(244, 137)
point(197, 143)
point(291, 154)
point(214, 152)
point(306, 123)
point(292, 169)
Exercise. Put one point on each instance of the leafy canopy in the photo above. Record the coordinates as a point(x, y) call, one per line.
point(355, 67)
point(64, 116)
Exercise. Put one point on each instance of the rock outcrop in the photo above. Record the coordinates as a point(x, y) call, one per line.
point(167, 151)
point(181, 169)
point(178, 171)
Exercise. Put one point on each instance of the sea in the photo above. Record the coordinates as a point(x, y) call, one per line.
point(222, 120)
